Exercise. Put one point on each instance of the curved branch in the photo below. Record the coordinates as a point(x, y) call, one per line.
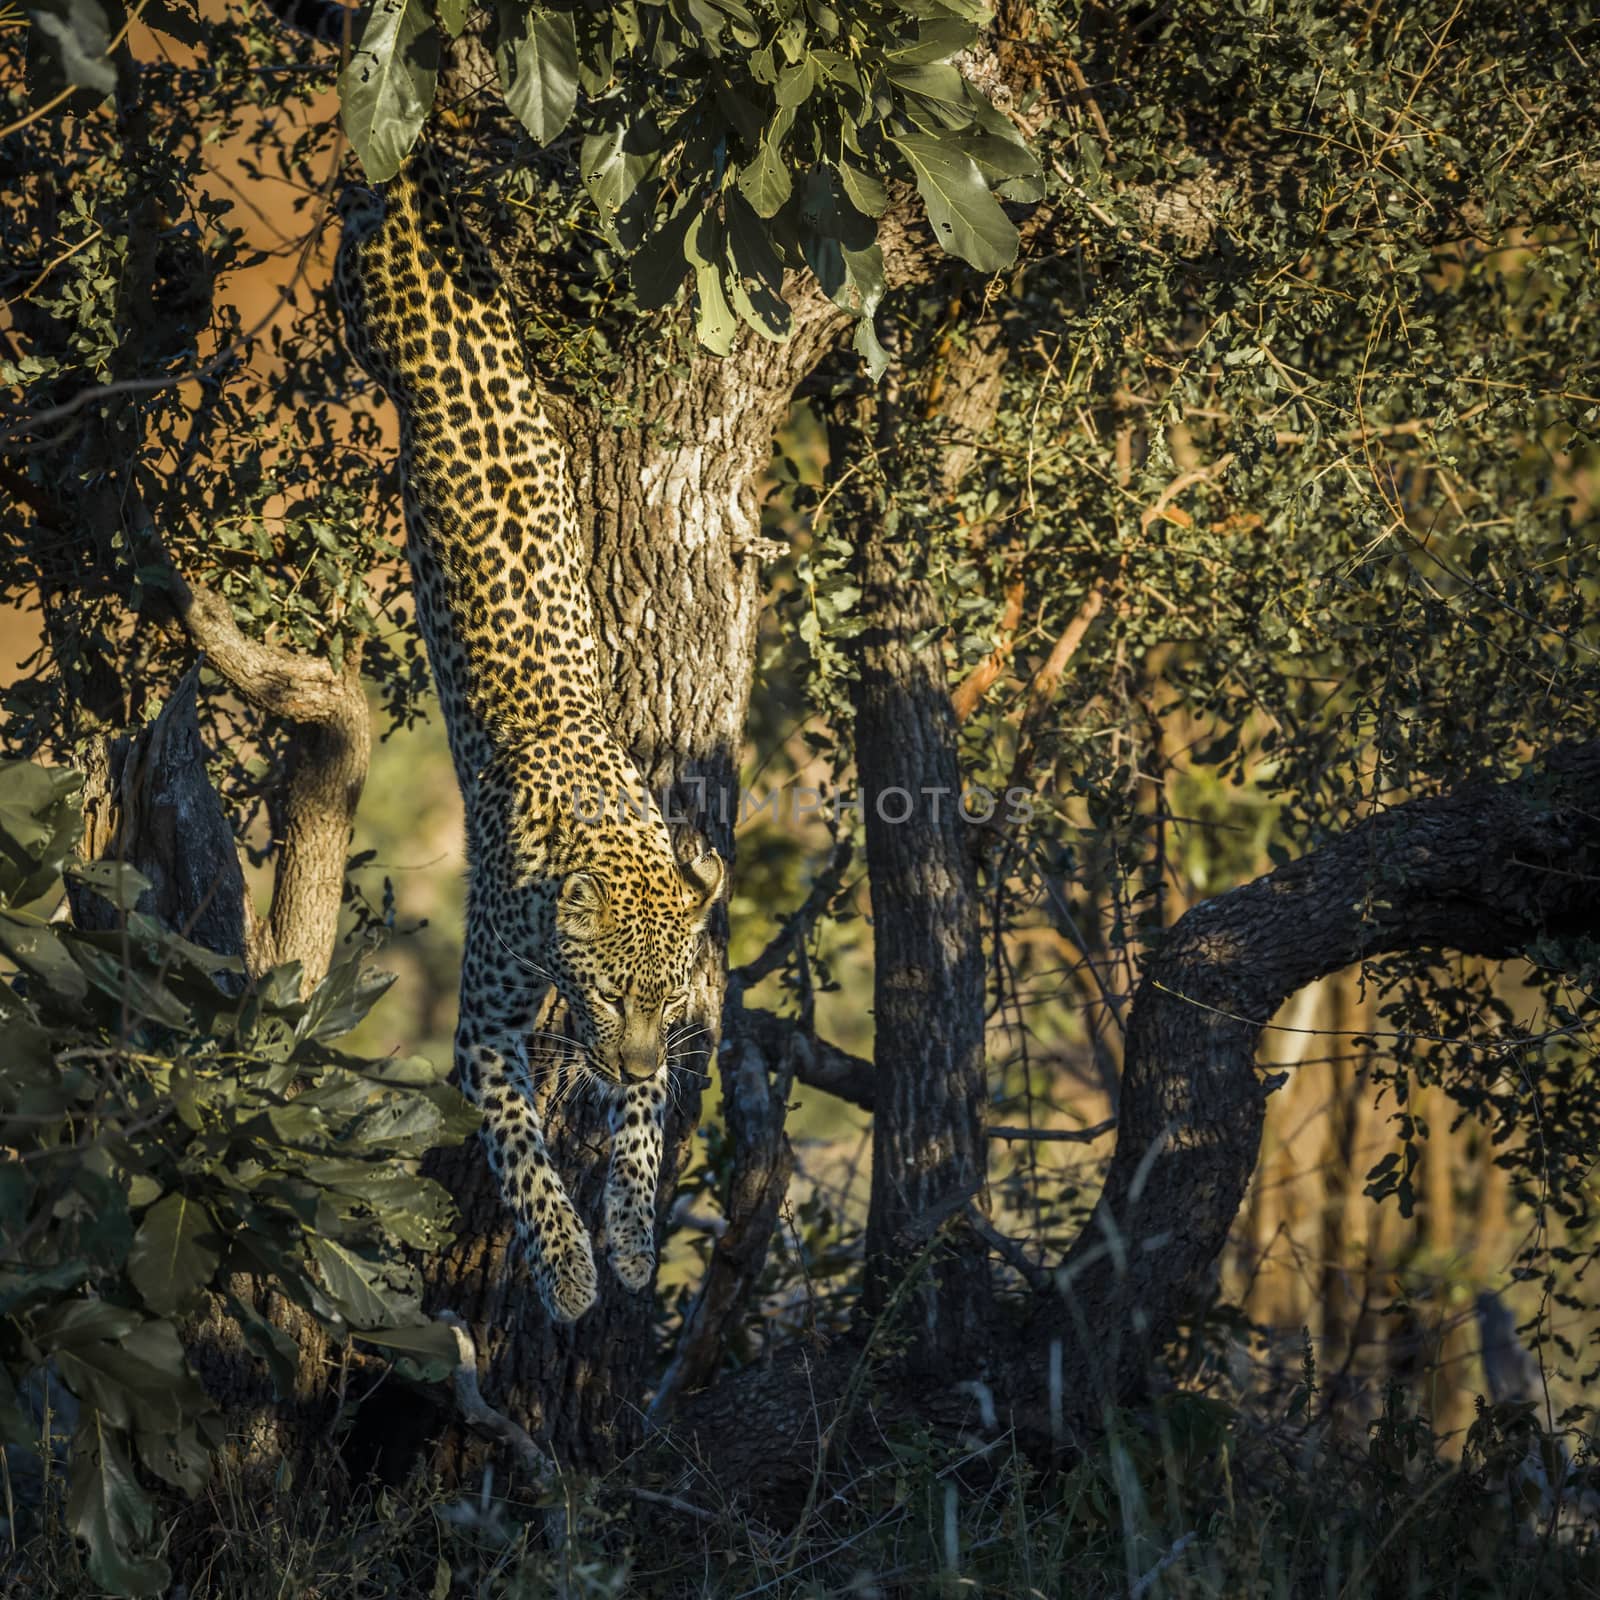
point(1484, 871)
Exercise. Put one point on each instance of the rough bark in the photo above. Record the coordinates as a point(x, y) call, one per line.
point(1486, 871)
point(148, 801)
point(928, 1148)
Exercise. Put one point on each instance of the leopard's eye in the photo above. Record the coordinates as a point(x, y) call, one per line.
point(676, 1002)
point(606, 998)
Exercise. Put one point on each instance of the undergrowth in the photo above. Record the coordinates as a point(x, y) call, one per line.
point(1189, 1496)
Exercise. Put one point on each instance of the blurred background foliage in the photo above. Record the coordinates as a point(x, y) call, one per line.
point(1288, 512)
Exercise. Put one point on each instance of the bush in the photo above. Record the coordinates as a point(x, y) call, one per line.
point(168, 1127)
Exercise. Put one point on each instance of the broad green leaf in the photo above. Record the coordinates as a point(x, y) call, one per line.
point(139, 1381)
point(356, 1285)
point(142, 994)
point(341, 1000)
point(175, 1252)
point(936, 81)
point(537, 54)
point(387, 90)
point(40, 824)
point(614, 164)
point(658, 266)
point(765, 183)
point(430, 1343)
point(866, 194)
point(114, 881)
point(938, 38)
point(183, 1458)
point(756, 282)
point(37, 948)
point(867, 346)
point(19, 1290)
point(795, 84)
point(966, 218)
point(452, 15)
point(999, 158)
point(714, 321)
point(275, 1348)
point(109, 1510)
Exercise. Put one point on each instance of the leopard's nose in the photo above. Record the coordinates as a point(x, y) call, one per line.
point(638, 1066)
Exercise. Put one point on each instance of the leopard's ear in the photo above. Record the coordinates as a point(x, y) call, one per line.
point(583, 908)
point(703, 880)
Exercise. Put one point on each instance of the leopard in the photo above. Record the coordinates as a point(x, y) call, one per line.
point(573, 886)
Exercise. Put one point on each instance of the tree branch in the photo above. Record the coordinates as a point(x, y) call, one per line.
point(1485, 871)
point(818, 1064)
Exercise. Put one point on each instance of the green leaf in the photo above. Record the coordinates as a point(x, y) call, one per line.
point(937, 80)
point(866, 194)
point(537, 54)
point(142, 994)
point(387, 90)
point(354, 1284)
point(756, 283)
point(452, 15)
point(40, 823)
point(657, 267)
point(36, 948)
point(175, 1252)
point(867, 346)
point(714, 321)
point(19, 1290)
point(966, 218)
point(110, 1512)
point(276, 1349)
point(139, 1379)
point(615, 164)
point(430, 1343)
point(114, 881)
point(341, 1000)
point(765, 183)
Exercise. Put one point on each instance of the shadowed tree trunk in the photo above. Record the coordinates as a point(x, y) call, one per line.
point(928, 1157)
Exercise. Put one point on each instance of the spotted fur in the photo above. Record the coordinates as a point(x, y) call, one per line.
point(598, 909)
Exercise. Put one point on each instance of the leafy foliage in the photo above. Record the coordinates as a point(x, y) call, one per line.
point(166, 1134)
point(729, 140)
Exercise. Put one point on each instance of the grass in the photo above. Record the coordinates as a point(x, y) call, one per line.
point(1188, 1497)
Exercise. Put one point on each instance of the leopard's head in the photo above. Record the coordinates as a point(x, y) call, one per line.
point(628, 927)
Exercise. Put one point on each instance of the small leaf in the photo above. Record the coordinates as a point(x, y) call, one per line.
point(765, 183)
point(537, 54)
point(867, 195)
point(175, 1252)
point(966, 218)
point(387, 90)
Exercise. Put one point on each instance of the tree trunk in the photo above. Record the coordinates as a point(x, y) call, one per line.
point(928, 1153)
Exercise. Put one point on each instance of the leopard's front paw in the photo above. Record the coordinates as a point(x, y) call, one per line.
point(566, 1278)
point(633, 1261)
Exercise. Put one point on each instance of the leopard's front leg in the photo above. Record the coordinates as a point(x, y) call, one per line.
point(630, 1202)
point(492, 1067)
